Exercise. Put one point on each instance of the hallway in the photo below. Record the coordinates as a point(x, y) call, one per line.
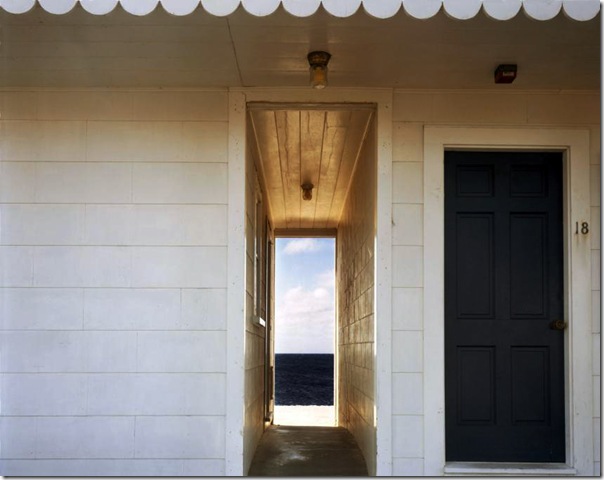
point(288, 451)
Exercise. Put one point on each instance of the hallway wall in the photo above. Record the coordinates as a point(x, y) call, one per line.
point(413, 110)
point(254, 333)
point(113, 262)
point(355, 278)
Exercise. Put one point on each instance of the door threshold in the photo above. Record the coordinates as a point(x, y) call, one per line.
point(505, 469)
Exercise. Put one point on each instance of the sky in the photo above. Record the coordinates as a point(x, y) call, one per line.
point(304, 295)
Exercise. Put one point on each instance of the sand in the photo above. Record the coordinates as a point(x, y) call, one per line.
point(304, 415)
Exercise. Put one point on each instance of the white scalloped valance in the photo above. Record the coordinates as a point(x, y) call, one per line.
point(581, 10)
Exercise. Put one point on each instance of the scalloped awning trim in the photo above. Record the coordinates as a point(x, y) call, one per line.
point(581, 10)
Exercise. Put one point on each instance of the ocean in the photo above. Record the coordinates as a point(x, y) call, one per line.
point(304, 379)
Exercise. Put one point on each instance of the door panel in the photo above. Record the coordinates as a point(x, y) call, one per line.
point(504, 372)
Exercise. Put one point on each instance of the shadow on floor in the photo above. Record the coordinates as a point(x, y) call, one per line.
point(290, 451)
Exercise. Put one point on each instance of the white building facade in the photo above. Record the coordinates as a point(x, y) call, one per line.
point(129, 186)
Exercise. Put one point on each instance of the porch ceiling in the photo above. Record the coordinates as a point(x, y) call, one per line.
point(118, 49)
point(311, 145)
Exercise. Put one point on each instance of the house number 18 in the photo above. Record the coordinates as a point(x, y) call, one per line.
point(583, 228)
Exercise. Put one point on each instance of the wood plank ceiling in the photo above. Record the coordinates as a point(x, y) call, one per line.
point(308, 145)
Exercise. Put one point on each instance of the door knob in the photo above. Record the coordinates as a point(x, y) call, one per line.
point(558, 325)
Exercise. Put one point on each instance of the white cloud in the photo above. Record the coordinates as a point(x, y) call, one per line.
point(326, 279)
point(305, 321)
point(301, 245)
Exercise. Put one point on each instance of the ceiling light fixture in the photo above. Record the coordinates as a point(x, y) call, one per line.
point(307, 191)
point(318, 68)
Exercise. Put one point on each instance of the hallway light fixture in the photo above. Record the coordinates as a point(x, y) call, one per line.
point(307, 191)
point(318, 68)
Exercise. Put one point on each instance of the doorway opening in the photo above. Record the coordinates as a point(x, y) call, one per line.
point(311, 176)
point(304, 331)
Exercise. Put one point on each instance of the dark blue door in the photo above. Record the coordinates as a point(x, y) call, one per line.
point(504, 372)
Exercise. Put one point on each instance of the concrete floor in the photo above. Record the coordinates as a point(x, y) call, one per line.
point(289, 451)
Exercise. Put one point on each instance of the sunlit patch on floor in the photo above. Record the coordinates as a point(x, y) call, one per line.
point(304, 415)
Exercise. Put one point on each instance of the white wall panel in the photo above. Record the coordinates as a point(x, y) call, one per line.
point(93, 468)
point(595, 230)
point(596, 307)
point(156, 394)
point(16, 266)
point(114, 468)
point(41, 224)
point(58, 182)
point(407, 142)
point(82, 267)
point(407, 308)
point(48, 394)
point(407, 467)
point(407, 394)
point(180, 106)
point(596, 310)
point(85, 437)
point(595, 185)
point(36, 141)
point(43, 351)
point(132, 309)
point(595, 271)
point(554, 109)
point(157, 141)
point(127, 316)
point(597, 396)
point(407, 182)
point(19, 105)
point(479, 108)
point(41, 308)
point(198, 468)
point(407, 224)
point(407, 436)
point(180, 225)
point(180, 437)
point(189, 267)
point(109, 224)
point(16, 435)
point(174, 225)
point(407, 351)
point(83, 105)
point(181, 352)
point(110, 351)
point(407, 266)
point(203, 309)
point(17, 182)
point(179, 183)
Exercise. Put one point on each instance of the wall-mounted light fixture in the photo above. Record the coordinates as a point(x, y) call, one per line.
point(318, 68)
point(307, 190)
point(505, 73)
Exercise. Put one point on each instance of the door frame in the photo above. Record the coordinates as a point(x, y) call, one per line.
point(574, 144)
point(236, 455)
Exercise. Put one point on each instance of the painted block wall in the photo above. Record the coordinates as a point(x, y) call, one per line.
point(113, 261)
point(596, 262)
point(413, 110)
point(355, 277)
point(254, 333)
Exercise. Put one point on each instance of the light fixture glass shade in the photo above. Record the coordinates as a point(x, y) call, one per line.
point(318, 61)
point(318, 76)
point(307, 191)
